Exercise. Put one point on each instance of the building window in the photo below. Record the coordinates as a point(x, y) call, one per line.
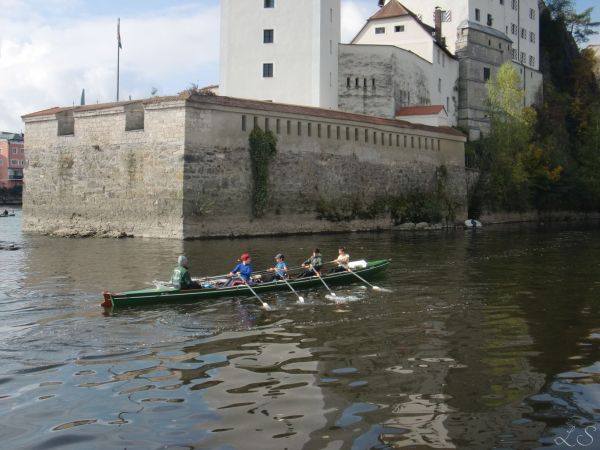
point(532, 13)
point(532, 61)
point(243, 123)
point(269, 3)
point(373, 83)
point(412, 142)
point(328, 131)
point(267, 124)
point(514, 54)
point(405, 142)
point(502, 2)
point(477, 15)
point(364, 83)
point(289, 127)
point(356, 83)
point(255, 122)
point(439, 85)
point(348, 82)
point(14, 162)
point(366, 136)
point(268, 70)
point(382, 138)
point(347, 133)
point(268, 36)
point(319, 130)
point(390, 139)
point(532, 37)
point(397, 140)
point(490, 21)
point(523, 57)
point(380, 30)
point(278, 126)
point(309, 129)
point(486, 73)
point(426, 144)
point(14, 151)
point(514, 4)
point(523, 33)
point(399, 28)
point(337, 133)
point(299, 128)
point(356, 134)
point(513, 29)
point(419, 142)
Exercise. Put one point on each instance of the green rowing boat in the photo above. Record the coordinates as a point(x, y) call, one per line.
point(169, 294)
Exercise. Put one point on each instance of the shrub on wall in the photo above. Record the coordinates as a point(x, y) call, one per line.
point(263, 148)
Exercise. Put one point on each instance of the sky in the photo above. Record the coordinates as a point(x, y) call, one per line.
point(52, 49)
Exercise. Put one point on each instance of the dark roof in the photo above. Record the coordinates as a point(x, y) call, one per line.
point(263, 106)
point(420, 110)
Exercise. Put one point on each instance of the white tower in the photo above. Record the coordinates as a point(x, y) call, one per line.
point(280, 50)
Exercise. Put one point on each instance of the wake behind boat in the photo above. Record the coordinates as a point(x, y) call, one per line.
point(163, 293)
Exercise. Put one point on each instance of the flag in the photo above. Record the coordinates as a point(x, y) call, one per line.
point(119, 33)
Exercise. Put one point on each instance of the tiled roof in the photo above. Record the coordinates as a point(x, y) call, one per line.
point(267, 107)
point(420, 110)
point(392, 9)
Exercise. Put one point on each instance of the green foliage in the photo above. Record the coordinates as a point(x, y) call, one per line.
point(262, 148)
point(580, 25)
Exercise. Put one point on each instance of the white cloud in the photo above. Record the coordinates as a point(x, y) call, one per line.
point(44, 65)
point(50, 51)
point(354, 16)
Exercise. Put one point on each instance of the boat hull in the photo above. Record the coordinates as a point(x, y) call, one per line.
point(167, 295)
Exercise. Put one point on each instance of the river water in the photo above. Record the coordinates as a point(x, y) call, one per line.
point(490, 339)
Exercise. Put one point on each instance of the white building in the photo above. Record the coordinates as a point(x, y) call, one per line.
point(518, 20)
point(283, 51)
point(430, 81)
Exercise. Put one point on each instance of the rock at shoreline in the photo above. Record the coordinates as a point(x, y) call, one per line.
point(71, 233)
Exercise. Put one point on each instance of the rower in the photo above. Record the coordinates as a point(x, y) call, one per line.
point(313, 264)
point(181, 277)
point(280, 268)
point(243, 270)
point(341, 263)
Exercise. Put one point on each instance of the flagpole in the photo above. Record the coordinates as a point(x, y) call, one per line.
point(118, 54)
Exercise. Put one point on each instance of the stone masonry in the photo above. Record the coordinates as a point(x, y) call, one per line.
point(178, 167)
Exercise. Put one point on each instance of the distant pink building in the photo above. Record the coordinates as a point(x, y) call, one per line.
point(12, 160)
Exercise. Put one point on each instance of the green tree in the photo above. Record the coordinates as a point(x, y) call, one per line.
point(507, 145)
point(580, 25)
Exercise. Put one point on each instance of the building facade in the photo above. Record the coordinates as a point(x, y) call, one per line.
point(12, 160)
point(282, 51)
point(483, 35)
point(406, 57)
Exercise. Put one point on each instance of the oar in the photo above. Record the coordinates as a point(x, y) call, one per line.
point(323, 281)
point(376, 288)
point(300, 298)
point(264, 305)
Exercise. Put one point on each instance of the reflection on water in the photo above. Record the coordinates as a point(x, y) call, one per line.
point(489, 340)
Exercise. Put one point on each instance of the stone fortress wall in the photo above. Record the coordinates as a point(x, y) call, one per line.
point(178, 167)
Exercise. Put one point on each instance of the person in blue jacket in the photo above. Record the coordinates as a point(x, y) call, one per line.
point(243, 270)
